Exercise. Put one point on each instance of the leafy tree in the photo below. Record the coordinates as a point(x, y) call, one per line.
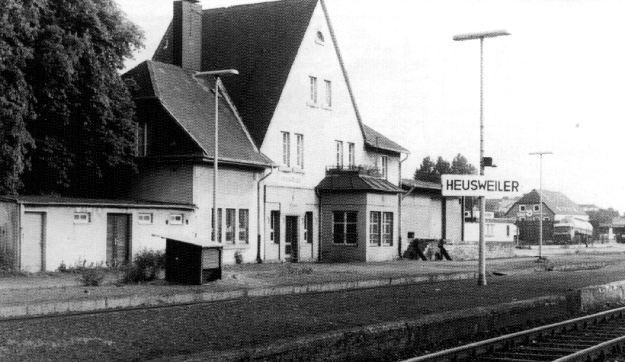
point(601, 216)
point(427, 166)
point(460, 166)
point(431, 171)
point(76, 112)
point(442, 167)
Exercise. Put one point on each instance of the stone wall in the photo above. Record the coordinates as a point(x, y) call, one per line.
point(469, 250)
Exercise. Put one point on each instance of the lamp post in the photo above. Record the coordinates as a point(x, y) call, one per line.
point(540, 198)
point(481, 36)
point(217, 74)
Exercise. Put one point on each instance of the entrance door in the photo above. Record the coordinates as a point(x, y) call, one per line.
point(291, 238)
point(117, 239)
point(33, 242)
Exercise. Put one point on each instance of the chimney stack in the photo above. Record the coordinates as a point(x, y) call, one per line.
point(187, 29)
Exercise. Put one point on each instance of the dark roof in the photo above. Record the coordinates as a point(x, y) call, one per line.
point(377, 140)
point(355, 181)
point(261, 41)
point(48, 200)
point(188, 102)
point(555, 201)
point(418, 184)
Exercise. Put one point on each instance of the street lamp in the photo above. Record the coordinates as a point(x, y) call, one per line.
point(540, 198)
point(217, 74)
point(481, 280)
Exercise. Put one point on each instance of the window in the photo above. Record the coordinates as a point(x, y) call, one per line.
point(286, 149)
point(176, 219)
point(244, 226)
point(490, 229)
point(536, 207)
point(522, 208)
point(384, 166)
point(218, 228)
point(82, 218)
point(320, 39)
point(387, 228)
point(231, 215)
point(299, 162)
point(144, 218)
point(522, 219)
point(308, 227)
point(313, 90)
point(345, 227)
point(339, 154)
point(328, 99)
point(141, 134)
point(374, 228)
point(545, 219)
point(507, 230)
point(275, 227)
point(351, 149)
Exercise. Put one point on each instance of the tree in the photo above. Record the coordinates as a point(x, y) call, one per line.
point(442, 167)
point(601, 216)
point(460, 166)
point(427, 166)
point(78, 114)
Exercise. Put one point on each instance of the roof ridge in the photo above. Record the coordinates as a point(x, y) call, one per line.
point(254, 4)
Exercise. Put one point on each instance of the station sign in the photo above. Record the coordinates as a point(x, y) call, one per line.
point(474, 185)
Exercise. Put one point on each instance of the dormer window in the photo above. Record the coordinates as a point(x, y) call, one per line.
point(320, 38)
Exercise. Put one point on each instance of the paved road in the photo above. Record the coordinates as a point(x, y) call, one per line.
point(252, 322)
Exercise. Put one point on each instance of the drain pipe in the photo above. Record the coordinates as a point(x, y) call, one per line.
point(259, 260)
point(400, 197)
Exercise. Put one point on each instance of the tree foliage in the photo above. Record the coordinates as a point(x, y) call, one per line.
point(429, 170)
point(70, 125)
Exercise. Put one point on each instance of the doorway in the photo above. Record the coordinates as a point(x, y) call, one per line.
point(291, 241)
point(117, 239)
point(33, 242)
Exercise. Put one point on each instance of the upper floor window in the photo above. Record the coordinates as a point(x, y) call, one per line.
point(313, 90)
point(299, 161)
point(82, 218)
point(522, 208)
point(339, 153)
point(490, 229)
point(328, 99)
point(352, 154)
point(320, 38)
point(286, 149)
point(141, 134)
point(384, 166)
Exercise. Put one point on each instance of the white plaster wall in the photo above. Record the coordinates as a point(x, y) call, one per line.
point(472, 232)
point(371, 158)
point(73, 243)
point(237, 189)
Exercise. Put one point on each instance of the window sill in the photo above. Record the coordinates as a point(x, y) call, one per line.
point(312, 105)
point(285, 169)
point(346, 245)
point(298, 170)
point(326, 108)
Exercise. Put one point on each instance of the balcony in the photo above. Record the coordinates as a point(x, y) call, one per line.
point(362, 170)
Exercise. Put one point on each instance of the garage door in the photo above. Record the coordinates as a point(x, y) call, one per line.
point(32, 242)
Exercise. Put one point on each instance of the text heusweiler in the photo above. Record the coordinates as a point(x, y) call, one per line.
point(485, 185)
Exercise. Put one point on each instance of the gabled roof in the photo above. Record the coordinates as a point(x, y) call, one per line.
point(355, 181)
point(555, 201)
point(419, 184)
point(261, 41)
point(377, 140)
point(189, 102)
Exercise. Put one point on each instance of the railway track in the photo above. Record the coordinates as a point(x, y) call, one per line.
point(589, 338)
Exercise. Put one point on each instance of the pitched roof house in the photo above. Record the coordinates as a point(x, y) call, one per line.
point(556, 204)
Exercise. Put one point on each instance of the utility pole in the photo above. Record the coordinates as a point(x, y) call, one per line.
point(540, 198)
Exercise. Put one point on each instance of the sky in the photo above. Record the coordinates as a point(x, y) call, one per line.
point(555, 84)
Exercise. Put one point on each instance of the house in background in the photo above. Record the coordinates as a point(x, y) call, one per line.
point(556, 207)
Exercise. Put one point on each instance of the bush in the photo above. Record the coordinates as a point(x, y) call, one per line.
point(92, 277)
point(146, 267)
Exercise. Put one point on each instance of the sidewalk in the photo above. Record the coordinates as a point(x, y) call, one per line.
point(62, 293)
point(553, 250)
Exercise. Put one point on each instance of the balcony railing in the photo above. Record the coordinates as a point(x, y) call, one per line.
point(359, 169)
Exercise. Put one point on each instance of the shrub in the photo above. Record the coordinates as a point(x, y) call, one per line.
point(145, 268)
point(92, 277)
point(63, 268)
point(238, 258)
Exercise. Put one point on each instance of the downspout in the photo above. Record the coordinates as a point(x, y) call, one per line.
point(400, 197)
point(259, 260)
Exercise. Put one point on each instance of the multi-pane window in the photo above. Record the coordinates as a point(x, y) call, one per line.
point(308, 227)
point(328, 99)
point(374, 227)
point(313, 90)
point(82, 218)
point(522, 208)
point(387, 228)
point(176, 219)
point(141, 134)
point(490, 229)
point(286, 149)
point(275, 227)
point(384, 166)
point(299, 162)
point(230, 225)
point(345, 228)
point(218, 228)
point(339, 153)
point(536, 207)
point(244, 226)
point(144, 218)
point(352, 154)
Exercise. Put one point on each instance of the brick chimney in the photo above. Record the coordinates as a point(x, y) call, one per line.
point(187, 27)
